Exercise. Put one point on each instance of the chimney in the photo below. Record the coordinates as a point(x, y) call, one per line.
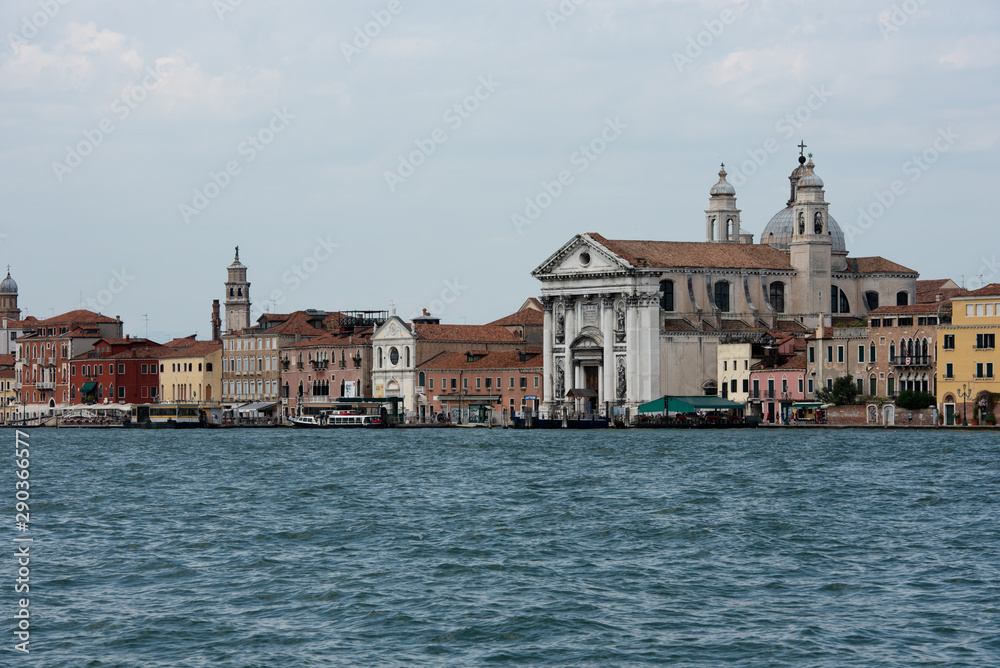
point(939, 297)
point(216, 321)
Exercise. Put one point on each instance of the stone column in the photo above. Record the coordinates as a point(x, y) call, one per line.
point(548, 359)
point(608, 329)
point(570, 332)
point(633, 344)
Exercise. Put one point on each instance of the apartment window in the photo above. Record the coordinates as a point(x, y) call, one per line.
point(524, 382)
point(888, 322)
point(784, 386)
point(121, 368)
point(906, 322)
point(479, 383)
point(861, 386)
point(499, 384)
point(732, 386)
point(873, 386)
point(949, 341)
point(840, 354)
point(890, 387)
point(985, 341)
point(989, 369)
point(876, 322)
point(829, 383)
point(465, 383)
point(871, 353)
point(812, 355)
point(725, 366)
point(144, 369)
point(121, 391)
point(431, 381)
point(421, 379)
point(746, 385)
point(536, 382)
point(861, 354)
point(829, 354)
point(810, 386)
point(454, 383)
point(512, 382)
point(489, 383)
point(800, 386)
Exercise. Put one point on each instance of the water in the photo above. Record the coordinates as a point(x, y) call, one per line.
point(457, 547)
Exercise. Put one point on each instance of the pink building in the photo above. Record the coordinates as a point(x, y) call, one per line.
point(776, 384)
point(327, 368)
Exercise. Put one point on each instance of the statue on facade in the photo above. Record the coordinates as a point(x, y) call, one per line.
point(622, 383)
point(560, 380)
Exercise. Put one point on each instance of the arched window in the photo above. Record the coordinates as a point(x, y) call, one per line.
point(380, 358)
point(239, 292)
point(777, 297)
point(667, 295)
point(421, 379)
point(802, 223)
point(722, 296)
point(730, 229)
point(902, 298)
point(818, 222)
point(232, 293)
point(871, 299)
point(407, 355)
point(892, 353)
point(923, 352)
point(838, 301)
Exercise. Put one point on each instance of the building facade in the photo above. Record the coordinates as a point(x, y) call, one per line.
point(636, 320)
point(903, 349)
point(967, 356)
point(191, 372)
point(116, 371)
point(330, 367)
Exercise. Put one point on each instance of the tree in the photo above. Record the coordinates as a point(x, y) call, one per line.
point(914, 401)
point(843, 393)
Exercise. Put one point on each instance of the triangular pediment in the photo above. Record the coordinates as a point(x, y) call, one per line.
point(582, 255)
point(393, 329)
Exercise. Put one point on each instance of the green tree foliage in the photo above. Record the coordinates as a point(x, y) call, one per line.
point(914, 401)
point(843, 393)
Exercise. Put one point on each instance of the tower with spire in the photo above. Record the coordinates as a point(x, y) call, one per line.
point(722, 218)
point(811, 247)
point(8, 298)
point(237, 297)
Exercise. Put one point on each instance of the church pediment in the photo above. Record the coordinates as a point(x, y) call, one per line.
point(581, 256)
point(590, 338)
point(392, 329)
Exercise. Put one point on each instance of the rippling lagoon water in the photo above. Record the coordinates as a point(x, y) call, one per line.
point(473, 547)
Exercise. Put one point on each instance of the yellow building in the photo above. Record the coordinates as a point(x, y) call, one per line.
point(8, 396)
point(967, 356)
point(192, 373)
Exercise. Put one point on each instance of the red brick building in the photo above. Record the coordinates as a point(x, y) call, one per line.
point(117, 371)
point(43, 358)
point(326, 368)
point(477, 386)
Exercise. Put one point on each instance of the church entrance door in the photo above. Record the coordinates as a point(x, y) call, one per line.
point(591, 381)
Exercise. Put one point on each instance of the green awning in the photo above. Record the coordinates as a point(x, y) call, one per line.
point(689, 405)
point(88, 387)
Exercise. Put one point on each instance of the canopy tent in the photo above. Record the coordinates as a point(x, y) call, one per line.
point(689, 405)
point(88, 388)
point(807, 404)
point(256, 408)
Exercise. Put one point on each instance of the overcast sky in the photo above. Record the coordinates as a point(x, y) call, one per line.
point(143, 140)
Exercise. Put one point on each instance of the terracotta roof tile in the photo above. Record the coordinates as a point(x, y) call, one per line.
point(465, 333)
point(505, 359)
point(7, 360)
point(7, 373)
point(696, 254)
point(991, 290)
point(874, 265)
point(199, 349)
point(944, 307)
point(528, 316)
point(79, 316)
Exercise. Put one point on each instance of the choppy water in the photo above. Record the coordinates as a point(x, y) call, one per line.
point(456, 547)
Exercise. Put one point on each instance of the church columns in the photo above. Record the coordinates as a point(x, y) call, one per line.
point(632, 347)
point(548, 359)
point(608, 330)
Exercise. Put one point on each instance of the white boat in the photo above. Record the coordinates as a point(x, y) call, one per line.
point(336, 420)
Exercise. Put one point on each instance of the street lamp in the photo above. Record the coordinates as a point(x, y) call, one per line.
point(965, 393)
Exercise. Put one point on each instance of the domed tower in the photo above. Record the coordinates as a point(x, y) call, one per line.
point(811, 245)
point(8, 298)
point(722, 219)
point(237, 297)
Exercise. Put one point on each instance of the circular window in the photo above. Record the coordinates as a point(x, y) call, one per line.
point(584, 258)
point(394, 356)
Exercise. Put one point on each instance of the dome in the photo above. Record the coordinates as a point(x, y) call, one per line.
point(810, 178)
point(723, 188)
point(781, 227)
point(8, 286)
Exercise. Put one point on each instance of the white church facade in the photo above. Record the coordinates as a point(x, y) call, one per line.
point(627, 322)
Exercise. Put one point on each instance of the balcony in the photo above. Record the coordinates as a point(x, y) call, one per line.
point(320, 365)
point(51, 361)
point(763, 394)
point(913, 361)
point(45, 385)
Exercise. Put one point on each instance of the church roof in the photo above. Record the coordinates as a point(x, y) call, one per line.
point(874, 265)
point(696, 254)
point(778, 232)
point(465, 333)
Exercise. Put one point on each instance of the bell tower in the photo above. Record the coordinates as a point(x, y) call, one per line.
point(722, 219)
point(8, 298)
point(811, 248)
point(237, 297)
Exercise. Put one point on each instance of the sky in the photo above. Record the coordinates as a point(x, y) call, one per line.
point(396, 154)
